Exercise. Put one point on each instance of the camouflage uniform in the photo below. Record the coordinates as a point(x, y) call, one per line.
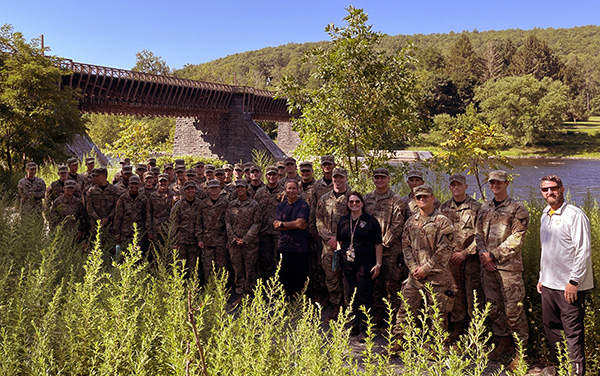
point(269, 237)
point(54, 191)
point(389, 211)
point(500, 231)
point(282, 181)
point(159, 212)
point(411, 207)
point(329, 211)
point(101, 203)
point(468, 274)
point(426, 243)
point(243, 220)
point(130, 210)
point(214, 234)
point(253, 189)
point(32, 193)
point(186, 222)
point(80, 182)
point(87, 181)
point(70, 212)
point(315, 245)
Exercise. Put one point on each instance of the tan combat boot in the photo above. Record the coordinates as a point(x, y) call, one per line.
point(504, 347)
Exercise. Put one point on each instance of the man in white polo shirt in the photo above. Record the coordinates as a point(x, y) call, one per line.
point(565, 271)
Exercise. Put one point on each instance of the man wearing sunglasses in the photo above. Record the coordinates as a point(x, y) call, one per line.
point(565, 271)
point(501, 226)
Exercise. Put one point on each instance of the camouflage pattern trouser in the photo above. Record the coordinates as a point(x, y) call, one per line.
point(189, 253)
point(468, 280)
point(505, 291)
point(389, 282)
point(218, 255)
point(411, 290)
point(333, 279)
point(243, 259)
point(318, 286)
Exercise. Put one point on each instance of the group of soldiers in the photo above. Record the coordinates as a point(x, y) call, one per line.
point(223, 218)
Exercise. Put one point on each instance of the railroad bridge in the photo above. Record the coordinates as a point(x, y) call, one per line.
point(213, 120)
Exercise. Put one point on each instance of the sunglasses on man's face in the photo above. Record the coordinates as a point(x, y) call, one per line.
point(553, 189)
point(421, 197)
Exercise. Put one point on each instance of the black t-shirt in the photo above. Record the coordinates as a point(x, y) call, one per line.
point(292, 240)
point(366, 235)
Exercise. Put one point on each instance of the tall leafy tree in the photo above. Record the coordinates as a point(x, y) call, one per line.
point(37, 117)
point(491, 63)
point(529, 110)
point(536, 58)
point(365, 102)
point(462, 65)
point(147, 62)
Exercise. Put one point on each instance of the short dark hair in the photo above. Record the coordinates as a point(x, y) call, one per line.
point(360, 197)
point(554, 178)
point(292, 181)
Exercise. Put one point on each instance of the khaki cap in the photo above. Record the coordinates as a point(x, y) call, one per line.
point(241, 183)
point(289, 160)
point(238, 167)
point(71, 161)
point(134, 179)
point(219, 171)
point(148, 174)
point(213, 183)
point(209, 168)
point(155, 170)
point(190, 172)
point(414, 174)
point(180, 168)
point(163, 177)
point(167, 166)
point(125, 161)
point(255, 168)
point(280, 165)
point(70, 184)
point(63, 168)
point(328, 159)
point(227, 167)
point(499, 175)
point(180, 161)
point(151, 161)
point(423, 190)
point(340, 171)
point(306, 166)
point(127, 169)
point(381, 172)
point(272, 170)
point(460, 178)
point(199, 164)
point(31, 165)
point(189, 183)
point(141, 167)
point(89, 160)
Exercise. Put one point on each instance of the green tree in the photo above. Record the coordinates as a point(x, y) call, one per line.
point(365, 104)
point(134, 141)
point(37, 117)
point(528, 110)
point(491, 63)
point(536, 58)
point(472, 144)
point(147, 62)
point(462, 65)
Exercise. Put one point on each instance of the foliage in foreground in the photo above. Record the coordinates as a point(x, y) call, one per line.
point(64, 311)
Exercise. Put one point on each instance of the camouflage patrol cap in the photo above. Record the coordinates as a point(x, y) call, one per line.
point(127, 169)
point(289, 160)
point(179, 162)
point(209, 168)
point(272, 170)
point(179, 168)
point(190, 172)
point(499, 175)
point(134, 179)
point(99, 171)
point(213, 183)
point(227, 166)
point(72, 161)
point(327, 159)
point(167, 166)
point(381, 172)
point(90, 160)
point(141, 167)
point(280, 165)
point(148, 174)
point(125, 161)
point(151, 161)
point(241, 183)
point(255, 168)
point(155, 170)
point(238, 167)
point(340, 171)
point(31, 165)
point(247, 166)
point(306, 166)
point(163, 177)
point(188, 184)
point(70, 184)
point(219, 171)
point(423, 190)
point(460, 178)
point(414, 174)
point(63, 168)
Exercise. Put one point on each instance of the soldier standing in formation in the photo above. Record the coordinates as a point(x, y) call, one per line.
point(291, 172)
point(462, 211)
point(131, 208)
point(213, 235)
point(186, 221)
point(32, 189)
point(68, 210)
point(159, 209)
point(501, 227)
point(330, 208)
point(56, 188)
point(101, 201)
point(414, 179)
point(90, 163)
point(243, 222)
point(388, 208)
point(427, 247)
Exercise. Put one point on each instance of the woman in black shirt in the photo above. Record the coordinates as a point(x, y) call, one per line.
point(359, 239)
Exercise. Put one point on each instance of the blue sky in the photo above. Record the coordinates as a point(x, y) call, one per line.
point(109, 33)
